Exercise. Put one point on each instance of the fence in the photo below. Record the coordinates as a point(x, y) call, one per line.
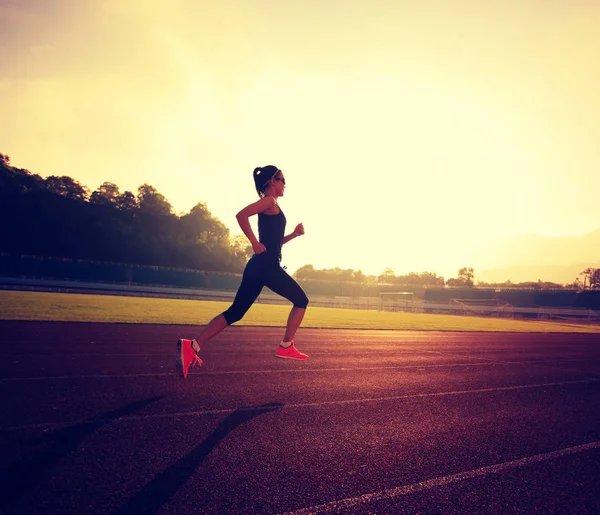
point(332, 294)
point(115, 273)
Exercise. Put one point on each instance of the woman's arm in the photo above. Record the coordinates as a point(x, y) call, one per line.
point(298, 231)
point(243, 219)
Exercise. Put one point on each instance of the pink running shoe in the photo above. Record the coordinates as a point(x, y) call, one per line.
point(186, 356)
point(290, 352)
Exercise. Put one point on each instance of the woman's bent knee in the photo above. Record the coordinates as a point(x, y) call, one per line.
point(301, 302)
point(231, 317)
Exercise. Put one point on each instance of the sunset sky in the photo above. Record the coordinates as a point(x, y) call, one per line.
point(412, 134)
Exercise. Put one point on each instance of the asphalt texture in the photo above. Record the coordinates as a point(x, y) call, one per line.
point(96, 420)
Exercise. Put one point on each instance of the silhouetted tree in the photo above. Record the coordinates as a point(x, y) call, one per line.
point(150, 201)
point(388, 276)
point(67, 187)
point(241, 247)
point(126, 202)
point(107, 193)
point(464, 279)
point(591, 277)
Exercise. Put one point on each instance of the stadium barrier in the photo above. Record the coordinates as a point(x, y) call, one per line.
point(580, 315)
point(125, 279)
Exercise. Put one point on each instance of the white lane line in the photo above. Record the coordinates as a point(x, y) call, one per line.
point(482, 363)
point(304, 404)
point(244, 372)
point(545, 364)
point(565, 369)
point(437, 482)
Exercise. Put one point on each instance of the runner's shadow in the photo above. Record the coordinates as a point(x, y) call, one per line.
point(22, 475)
point(158, 491)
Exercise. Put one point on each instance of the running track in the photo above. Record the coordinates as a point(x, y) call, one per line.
point(95, 420)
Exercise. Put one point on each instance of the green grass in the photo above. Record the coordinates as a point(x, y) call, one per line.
point(17, 305)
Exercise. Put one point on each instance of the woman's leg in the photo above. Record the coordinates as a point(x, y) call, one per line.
point(247, 293)
point(294, 320)
point(283, 284)
point(214, 327)
point(244, 298)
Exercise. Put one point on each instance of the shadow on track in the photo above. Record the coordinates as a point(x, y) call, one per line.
point(21, 476)
point(158, 491)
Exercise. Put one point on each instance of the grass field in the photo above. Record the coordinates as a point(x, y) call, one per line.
point(16, 305)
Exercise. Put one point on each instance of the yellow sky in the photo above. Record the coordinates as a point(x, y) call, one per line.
point(411, 133)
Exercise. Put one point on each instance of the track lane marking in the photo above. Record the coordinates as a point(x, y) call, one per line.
point(481, 363)
point(239, 372)
point(228, 411)
point(393, 493)
point(546, 364)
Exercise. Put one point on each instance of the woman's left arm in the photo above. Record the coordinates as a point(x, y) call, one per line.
point(298, 231)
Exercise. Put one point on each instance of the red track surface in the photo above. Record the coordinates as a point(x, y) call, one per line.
point(95, 420)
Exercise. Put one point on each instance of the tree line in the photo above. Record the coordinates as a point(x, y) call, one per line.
point(59, 217)
point(425, 279)
point(465, 278)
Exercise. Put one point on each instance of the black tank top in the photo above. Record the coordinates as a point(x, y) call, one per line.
point(271, 229)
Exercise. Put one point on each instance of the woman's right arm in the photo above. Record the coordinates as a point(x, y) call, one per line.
point(243, 218)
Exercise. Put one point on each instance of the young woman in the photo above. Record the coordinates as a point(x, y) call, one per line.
point(263, 269)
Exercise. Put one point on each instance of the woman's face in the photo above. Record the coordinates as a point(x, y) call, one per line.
point(279, 183)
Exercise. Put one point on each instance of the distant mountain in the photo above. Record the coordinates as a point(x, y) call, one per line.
point(529, 257)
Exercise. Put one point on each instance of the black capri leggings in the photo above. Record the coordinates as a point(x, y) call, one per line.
point(256, 276)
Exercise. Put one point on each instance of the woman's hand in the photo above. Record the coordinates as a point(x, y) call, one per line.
point(299, 230)
point(258, 247)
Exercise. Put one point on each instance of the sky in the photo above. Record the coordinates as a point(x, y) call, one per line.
point(413, 135)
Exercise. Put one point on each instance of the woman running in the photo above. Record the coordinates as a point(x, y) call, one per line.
point(262, 269)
